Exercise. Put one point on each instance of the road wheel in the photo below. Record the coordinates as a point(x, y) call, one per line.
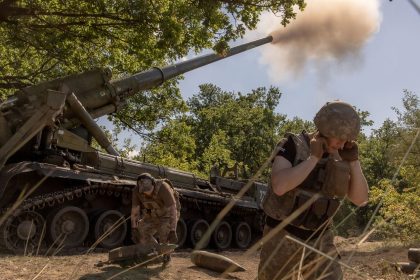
point(111, 228)
point(24, 233)
point(197, 230)
point(181, 232)
point(242, 235)
point(222, 235)
point(69, 227)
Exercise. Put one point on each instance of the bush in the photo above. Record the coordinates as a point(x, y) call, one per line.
point(347, 220)
point(399, 214)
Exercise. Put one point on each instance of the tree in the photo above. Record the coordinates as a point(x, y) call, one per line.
point(127, 147)
point(377, 153)
point(41, 40)
point(221, 128)
point(248, 121)
point(383, 152)
point(408, 126)
point(172, 146)
point(296, 125)
point(217, 153)
point(399, 215)
point(397, 191)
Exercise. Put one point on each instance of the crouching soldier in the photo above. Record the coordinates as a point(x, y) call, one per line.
point(155, 210)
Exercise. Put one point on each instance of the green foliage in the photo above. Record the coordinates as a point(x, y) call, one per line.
point(221, 128)
point(248, 121)
point(396, 191)
point(112, 135)
point(41, 40)
point(296, 125)
point(408, 127)
point(346, 221)
point(399, 214)
point(150, 109)
point(364, 121)
point(171, 146)
point(217, 153)
point(377, 153)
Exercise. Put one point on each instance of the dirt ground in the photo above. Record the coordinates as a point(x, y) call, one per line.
point(371, 259)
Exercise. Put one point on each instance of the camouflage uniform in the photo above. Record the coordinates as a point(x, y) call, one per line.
point(282, 258)
point(149, 226)
point(155, 217)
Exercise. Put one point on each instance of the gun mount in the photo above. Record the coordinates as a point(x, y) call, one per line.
point(50, 174)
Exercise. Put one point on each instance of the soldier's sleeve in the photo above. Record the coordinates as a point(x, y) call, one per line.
point(134, 200)
point(168, 198)
point(288, 151)
point(135, 209)
point(167, 195)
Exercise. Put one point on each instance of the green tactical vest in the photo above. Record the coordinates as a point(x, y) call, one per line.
point(330, 178)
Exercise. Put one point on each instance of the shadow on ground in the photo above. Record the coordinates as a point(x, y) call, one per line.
point(116, 272)
point(212, 273)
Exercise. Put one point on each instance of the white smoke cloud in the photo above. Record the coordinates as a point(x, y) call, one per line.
point(133, 153)
point(327, 32)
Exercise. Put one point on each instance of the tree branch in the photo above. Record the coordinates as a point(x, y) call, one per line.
point(13, 85)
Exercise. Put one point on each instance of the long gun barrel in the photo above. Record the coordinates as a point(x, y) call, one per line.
point(156, 76)
point(101, 96)
point(103, 102)
point(79, 99)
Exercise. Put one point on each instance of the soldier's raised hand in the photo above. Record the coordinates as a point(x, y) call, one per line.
point(350, 151)
point(318, 145)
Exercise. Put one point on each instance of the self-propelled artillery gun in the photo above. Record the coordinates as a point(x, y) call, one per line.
point(56, 190)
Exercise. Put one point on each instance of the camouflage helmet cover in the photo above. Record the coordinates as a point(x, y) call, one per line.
point(339, 120)
point(146, 176)
point(144, 186)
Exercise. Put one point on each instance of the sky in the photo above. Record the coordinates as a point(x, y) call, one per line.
point(373, 80)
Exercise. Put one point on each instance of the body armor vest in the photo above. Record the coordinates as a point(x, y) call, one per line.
point(151, 205)
point(330, 178)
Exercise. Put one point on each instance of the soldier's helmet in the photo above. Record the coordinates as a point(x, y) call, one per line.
point(146, 176)
point(339, 120)
point(146, 187)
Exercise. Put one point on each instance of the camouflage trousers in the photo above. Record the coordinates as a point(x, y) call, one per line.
point(283, 258)
point(150, 226)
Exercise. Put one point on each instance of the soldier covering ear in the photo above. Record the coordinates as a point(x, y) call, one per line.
point(307, 165)
point(350, 151)
point(317, 145)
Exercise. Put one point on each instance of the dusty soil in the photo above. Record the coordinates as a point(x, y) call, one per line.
point(371, 259)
